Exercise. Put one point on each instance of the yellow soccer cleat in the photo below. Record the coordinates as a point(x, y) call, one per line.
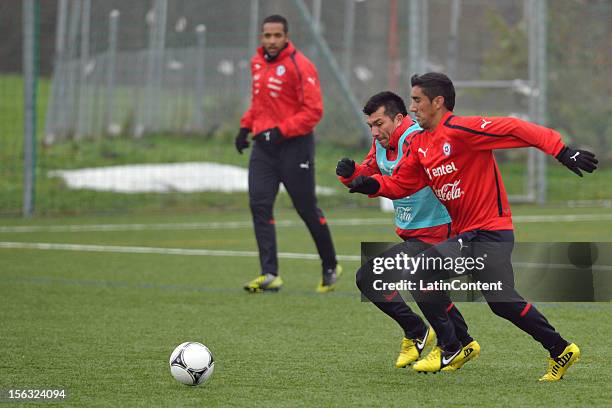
point(436, 360)
point(264, 283)
point(329, 279)
point(558, 366)
point(411, 349)
point(469, 352)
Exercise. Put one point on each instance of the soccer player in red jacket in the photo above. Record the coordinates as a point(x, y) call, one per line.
point(455, 154)
point(286, 105)
point(419, 219)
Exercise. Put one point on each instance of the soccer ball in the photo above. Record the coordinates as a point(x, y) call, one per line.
point(191, 363)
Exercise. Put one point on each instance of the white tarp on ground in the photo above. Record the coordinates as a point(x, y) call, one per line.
point(162, 178)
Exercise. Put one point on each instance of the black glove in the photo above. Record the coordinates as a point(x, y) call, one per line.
point(269, 136)
point(577, 160)
point(241, 141)
point(364, 185)
point(345, 168)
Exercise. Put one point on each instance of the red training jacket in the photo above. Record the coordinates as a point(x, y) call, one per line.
point(457, 157)
point(369, 167)
point(285, 94)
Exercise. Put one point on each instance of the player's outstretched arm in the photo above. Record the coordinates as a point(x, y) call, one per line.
point(490, 133)
point(576, 160)
point(507, 133)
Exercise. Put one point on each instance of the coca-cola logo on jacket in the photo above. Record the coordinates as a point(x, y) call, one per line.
point(449, 191)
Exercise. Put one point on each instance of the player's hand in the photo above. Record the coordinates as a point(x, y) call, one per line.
point(577, 160)
point(345, 168)
point(269, 136)
point(364, 185)
point(241, 140)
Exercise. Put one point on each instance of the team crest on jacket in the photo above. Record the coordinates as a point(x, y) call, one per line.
point(280, 70)
point(446, 149)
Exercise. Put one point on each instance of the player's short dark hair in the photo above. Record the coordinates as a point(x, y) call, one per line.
point(436, 84)
point(393, 104)
point(276, 18)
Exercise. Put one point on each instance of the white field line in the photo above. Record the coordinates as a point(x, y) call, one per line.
point(211, 252)
point(357, 222)
point(523, 219)
point(162, 251)
point(181, 226)
point(535, 265)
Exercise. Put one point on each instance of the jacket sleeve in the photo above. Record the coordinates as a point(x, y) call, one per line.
point(247, 117)
point(368, 167)
point(309, 92)
point(505, 133)
point(407, 178)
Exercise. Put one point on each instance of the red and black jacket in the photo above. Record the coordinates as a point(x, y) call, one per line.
point(285, 94)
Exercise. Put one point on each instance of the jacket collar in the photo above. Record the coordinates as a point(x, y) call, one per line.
point(284, 53)
point(442, 121)
point(399, 131)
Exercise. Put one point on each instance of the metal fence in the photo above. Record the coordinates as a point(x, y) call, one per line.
point(163, 66)
point(150, 81)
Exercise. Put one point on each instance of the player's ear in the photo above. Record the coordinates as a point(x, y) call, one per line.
point(438, 102)
point(398, 119)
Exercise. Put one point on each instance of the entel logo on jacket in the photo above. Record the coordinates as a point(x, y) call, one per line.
point(441, 170)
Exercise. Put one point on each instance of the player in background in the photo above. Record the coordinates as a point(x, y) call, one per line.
point(420, 219)
point(286, 105)
point(456, 154)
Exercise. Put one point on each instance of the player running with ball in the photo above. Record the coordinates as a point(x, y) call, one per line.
point(456, 154)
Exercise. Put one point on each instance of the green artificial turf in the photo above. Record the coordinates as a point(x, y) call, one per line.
point(103, 325)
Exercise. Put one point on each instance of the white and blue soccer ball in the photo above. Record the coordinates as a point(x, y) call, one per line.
point(191, 363)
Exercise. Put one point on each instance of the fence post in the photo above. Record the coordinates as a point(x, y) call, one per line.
point(198, 111)
point(113, 28)
point(68, 104)
point(453, 39)
point(83, 102)
point(329, 58)
point(58, 85)
point(148, 118)
point(349, 32)
point(531, 179)
point(416, 40)
point(245, 74)
point(254, 27)
point(30, 61)
point(541, 27)
point(316, 19)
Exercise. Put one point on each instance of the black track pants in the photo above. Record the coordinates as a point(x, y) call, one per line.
point(394, 307)
point(495, 247)
point(291, 163)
